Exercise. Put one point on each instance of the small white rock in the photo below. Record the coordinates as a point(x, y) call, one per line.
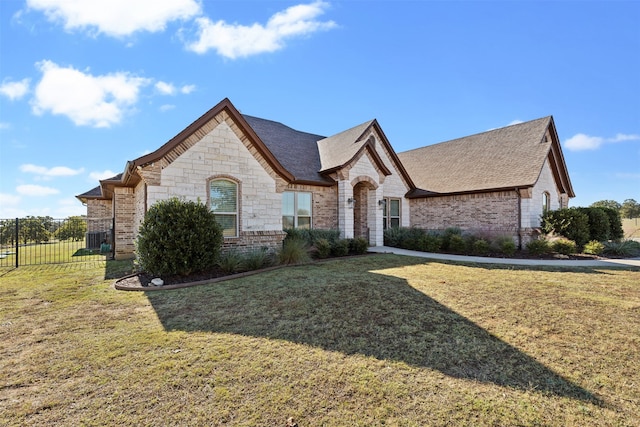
point(157, 282)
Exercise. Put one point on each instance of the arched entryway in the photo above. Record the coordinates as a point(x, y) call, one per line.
point(364, 209)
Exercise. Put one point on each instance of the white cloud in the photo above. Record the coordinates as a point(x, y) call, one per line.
point(5, 125)
point(100, 175)
point(98, 101)
point(117, 18)
point(167, 107)
point(165, 88)
point(515, 122)
point(9, 200)
point(35, 190)
point(50, 172)
point(15, 90)
point(581, 141)
point(233, 40)
point(187, 89)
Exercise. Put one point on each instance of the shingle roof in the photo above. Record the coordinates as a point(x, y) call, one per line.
point(96, 192)
point(337, 150)
point(508, 157)
point(296, 151)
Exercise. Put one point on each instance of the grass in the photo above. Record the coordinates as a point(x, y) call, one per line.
point(55, 251)
point(368, 341)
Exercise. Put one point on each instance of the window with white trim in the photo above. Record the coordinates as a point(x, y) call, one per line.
point(223, 202)
point(296, 209)
point(390, 213)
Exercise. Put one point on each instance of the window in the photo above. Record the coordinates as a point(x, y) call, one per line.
point(390, 213)
point(223, 202)
point(296, 210)
point(546, 202)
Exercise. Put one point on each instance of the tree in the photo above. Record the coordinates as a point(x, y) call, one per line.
point(33, 229)
point(630, 209)
point(606, 204)
point(73, 228)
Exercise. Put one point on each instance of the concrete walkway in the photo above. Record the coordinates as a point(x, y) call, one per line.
point(629, 262)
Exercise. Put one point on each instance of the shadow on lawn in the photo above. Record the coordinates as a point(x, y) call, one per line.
point(358, 312)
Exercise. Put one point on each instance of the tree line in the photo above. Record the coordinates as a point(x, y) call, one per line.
point(628, 209)
point(42, 229)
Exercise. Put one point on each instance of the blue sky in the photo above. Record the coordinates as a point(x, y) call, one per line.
point(87, 86)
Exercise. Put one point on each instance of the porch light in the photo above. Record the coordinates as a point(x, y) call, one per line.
point(351, 201)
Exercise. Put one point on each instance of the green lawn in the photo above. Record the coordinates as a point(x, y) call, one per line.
point(375, 340)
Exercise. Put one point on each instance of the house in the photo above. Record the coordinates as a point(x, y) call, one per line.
point(259, 177)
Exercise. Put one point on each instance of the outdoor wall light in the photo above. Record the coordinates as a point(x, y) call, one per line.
point(381, 202)
point(351, 201)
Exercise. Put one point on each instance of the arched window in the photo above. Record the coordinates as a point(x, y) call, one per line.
point(546, 202)
point(223, 202)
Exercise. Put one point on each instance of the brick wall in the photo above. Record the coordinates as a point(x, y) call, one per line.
point(99, 215)
point(124, 201)
point(490, 213)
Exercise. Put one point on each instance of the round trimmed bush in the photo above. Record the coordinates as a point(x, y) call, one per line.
point(178, 238)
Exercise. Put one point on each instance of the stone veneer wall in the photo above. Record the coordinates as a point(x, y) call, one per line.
point(221, 153)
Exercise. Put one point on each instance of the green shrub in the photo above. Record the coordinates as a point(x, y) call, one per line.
point(230, 261)
point(411, 238)
point(563, 246)
point(615, 224)
point(457, 244)
point(394, 235)
point(538, 247)
point(257, 259)
point(447, 235)
point(625, 248)
point(481, 247)
point(593, 248)
point(178, 237)
point(571, 223)
point(323, 248)
point(340, 247)
point(431, 242)
point(316, 234)
point(294, 251)
point(599, 228)
point(359, 246)
point(505, 245)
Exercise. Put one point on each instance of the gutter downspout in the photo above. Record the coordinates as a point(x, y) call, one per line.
point(519, 219)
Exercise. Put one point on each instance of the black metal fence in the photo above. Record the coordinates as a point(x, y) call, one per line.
point(44, 240)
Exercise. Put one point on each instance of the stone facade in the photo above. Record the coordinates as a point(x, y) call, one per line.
point(219, 146)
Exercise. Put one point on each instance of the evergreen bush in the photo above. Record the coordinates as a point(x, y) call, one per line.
point(359, 246)
point(340, 247)
point(563, 246)
point(615, 223)
point(178, 238)
point(571, 223)
point(538, 247)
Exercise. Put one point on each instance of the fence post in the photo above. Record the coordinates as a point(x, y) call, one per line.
point(17, 243)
